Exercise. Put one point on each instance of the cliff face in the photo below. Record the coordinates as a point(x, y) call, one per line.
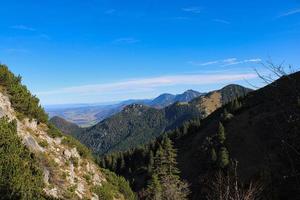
point(67, 174)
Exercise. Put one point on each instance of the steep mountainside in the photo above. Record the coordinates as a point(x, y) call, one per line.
point(262, 134)
point(260, 131)
point(139, 124)
point(38, 161)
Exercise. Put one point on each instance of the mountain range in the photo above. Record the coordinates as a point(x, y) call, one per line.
point(138, 124)
point(87, 115)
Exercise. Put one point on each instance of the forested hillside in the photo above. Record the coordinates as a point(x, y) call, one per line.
point(138, 124)
point(249, 147)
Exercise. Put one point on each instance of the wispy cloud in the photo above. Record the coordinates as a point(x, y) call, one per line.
point(23, 27)
point(226, 62)
point(291, 12)
point(235, 61)
point(195, 10)
point(204, 63)
point(128, 40)
point(149, 83)
point(222, 21)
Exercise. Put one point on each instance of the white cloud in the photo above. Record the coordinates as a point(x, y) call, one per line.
point(128, 40)
point(225, 62)
point(23, 27)
point(234, 61)
point(292, 12)
point(148, 84)
point(203, 64)
point(222, 21)
point(195, 10)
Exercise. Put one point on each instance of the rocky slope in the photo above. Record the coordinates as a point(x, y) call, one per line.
point(68, 169)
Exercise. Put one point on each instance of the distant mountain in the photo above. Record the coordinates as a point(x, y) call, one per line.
point(162, 100)
point(65, 126)
point(188, 96)
point(168, 99)
point(138, 124)
point(88, 115)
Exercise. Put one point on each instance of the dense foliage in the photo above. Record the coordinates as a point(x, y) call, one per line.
point(138, 165)
point(20, 176)
point(165, 181)
point(114, 185)
point(21, 99)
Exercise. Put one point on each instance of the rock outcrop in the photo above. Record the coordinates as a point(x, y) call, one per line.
point(67, 175)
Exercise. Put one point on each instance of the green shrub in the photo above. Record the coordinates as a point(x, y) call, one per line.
point(75, 161)
point(88, 178)
point(119, 184)
point(20, 175)
point(53, 131)
point(72, 142)
point(104, 192)
point(43, 143)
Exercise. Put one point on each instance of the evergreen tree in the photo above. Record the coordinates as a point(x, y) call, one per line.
point(223, 157)
point(167, 173)
point(154, 190)
point(221, 134)
point(213, 155)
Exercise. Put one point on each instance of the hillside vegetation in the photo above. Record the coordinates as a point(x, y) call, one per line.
point(37, 161)
point(248, 147)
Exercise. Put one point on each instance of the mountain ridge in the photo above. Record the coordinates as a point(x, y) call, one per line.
point(138, 124)
point(89, 115)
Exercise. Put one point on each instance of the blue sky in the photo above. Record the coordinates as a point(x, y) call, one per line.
point(85, 51)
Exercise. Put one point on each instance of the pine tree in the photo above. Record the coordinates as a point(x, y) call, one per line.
point(221, 134)
point(167, 172)
point(223, 157)
point(213, 155)
point(154, 190)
